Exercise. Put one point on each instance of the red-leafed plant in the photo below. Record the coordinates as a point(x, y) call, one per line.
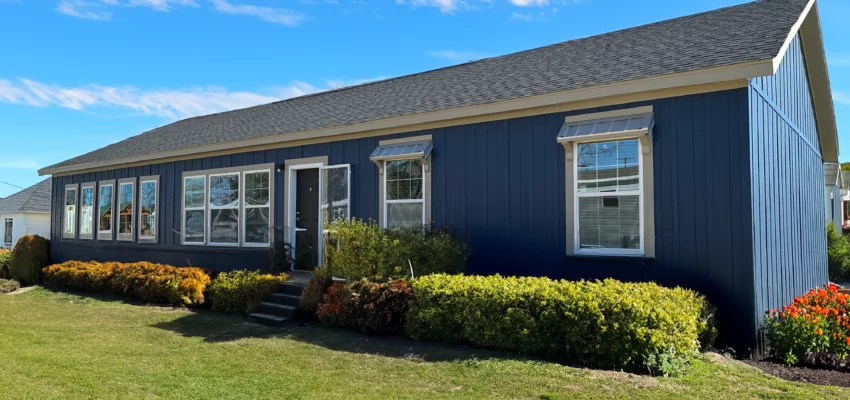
point(330, 310)
point(814, 328)
point(367, 306)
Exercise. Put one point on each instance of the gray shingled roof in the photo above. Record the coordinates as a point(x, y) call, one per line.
point(734, 35)
point(35, 199)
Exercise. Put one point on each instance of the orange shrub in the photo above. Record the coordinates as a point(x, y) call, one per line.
point(814, 324)
point(155, 283)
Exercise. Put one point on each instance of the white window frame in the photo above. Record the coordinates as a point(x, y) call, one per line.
point(106, 235)
point(91, 222)
point(185, 209)
point(8, 230)
point(210, 209)
point(123, 237)
point(579, 195)
point(387, 201)
point(73, 233)
point(149, 238)
point(243, 239)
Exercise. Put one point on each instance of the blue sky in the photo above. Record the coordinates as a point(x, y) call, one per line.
point(76, 75)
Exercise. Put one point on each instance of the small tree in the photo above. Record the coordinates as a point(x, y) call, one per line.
point(31, 254)
point(838, 255)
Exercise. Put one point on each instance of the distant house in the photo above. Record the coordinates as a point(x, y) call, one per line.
point(688, 152)
point(845, 198)
point(832, 194)
point(26, 212)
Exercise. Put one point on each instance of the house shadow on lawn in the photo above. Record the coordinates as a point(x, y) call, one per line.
point(215, 328)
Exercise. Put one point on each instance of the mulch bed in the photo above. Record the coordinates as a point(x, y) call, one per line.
point(818, 376)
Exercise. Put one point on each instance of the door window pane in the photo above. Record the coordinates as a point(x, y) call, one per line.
point(335, 188)
point(70, 212)
point(87, 212)
point(126, 196)
point(105, 209)
point(147, 209)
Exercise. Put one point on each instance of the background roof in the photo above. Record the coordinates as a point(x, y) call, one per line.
point(34, 199)
point(734, 35)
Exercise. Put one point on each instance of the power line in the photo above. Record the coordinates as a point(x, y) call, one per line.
point(11, 184)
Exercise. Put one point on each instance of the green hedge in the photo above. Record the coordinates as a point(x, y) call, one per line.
point(362, 250)
point(30, 255)
point(609, 324)
point(240, 292)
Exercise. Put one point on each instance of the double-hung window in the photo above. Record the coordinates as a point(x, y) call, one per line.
point(194, 200)
point(69, 220)
point(7, 232)
point(148, 190)
point(257, 195)
point(87, 196)
point(105, 206)
point(609, 183)
point(405, 198)
point(404, 166)
point(229, 206)
point(126, 208)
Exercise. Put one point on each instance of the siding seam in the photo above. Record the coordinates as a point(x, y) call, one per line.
point(784, 117)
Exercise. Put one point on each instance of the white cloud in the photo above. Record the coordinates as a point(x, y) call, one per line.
point(445, 6)
point(457, 56)
point(522, 17)
point(20, 163)
point(838, 97)
point(527, 3)
point(159, 5)
point(270, 14)
point(83, 10)
point(168, 103)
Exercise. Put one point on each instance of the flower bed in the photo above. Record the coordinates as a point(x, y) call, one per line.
point(814, 329)
point(156, 283)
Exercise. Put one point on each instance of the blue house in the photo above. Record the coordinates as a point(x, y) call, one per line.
point(688, 152)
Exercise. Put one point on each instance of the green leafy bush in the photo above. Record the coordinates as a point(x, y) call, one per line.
point(30, 255)
point(8, 286)
point(5, 259)
point(155, 283)
point(838, 254)
point(368, 306)
point(240, 292)
point(358, 249)
point(609, 324)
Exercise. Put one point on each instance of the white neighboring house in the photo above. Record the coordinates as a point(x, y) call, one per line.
point(26, 212)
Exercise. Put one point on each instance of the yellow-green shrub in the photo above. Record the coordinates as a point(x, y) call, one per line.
point(240, 292)
point(5, 258)
point(609, 324)
point(155, 283)
point(30, 255)
point(360, 249)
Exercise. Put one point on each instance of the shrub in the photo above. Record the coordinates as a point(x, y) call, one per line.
point(815, 323)
point(8, 286)
point(376, 307)
point(5, 258)
point(314, 291)
point(359, 250)
point(330, 310)
point(609, 324)
point(240, 292)
point(29, 256)
point(838, 254)
point(155, 283)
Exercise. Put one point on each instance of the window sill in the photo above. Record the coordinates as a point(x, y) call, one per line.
point(614, 257)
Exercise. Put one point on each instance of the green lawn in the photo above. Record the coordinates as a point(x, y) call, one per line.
point(69, 346)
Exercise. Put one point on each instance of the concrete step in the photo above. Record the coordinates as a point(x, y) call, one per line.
point(291, 288)
point(268, 319)
point(285, 299)
point(279, 310)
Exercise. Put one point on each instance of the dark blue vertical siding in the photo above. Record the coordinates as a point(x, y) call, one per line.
point(500, 184)
point(788, 186)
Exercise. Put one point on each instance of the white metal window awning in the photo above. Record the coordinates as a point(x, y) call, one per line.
point(401, 151)
point(579, 128)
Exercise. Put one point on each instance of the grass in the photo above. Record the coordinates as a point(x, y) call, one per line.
point(70, 346)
